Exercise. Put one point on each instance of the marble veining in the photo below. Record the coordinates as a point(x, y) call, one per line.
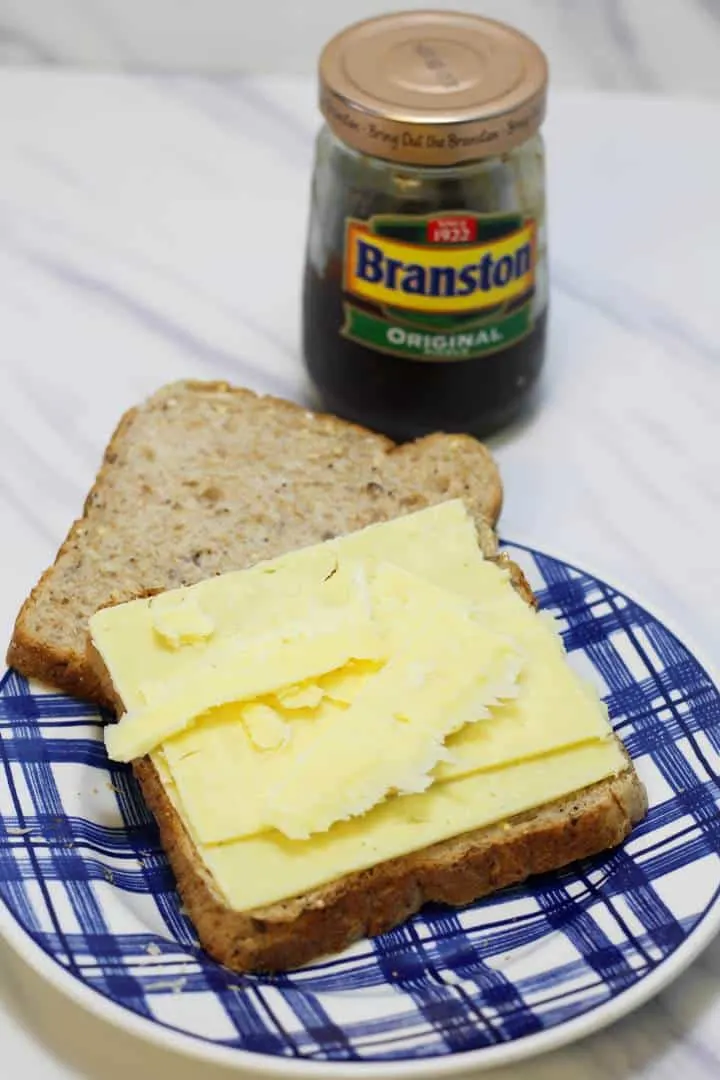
point(611, 44)
point(664, 46)
point(152, 228)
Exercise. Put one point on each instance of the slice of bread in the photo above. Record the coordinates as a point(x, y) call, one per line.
point(204, 478)
point(457, 871)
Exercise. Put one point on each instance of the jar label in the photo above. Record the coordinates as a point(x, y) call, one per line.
point(443, 287)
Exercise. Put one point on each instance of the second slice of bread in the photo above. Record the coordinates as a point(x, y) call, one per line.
point(204, 478)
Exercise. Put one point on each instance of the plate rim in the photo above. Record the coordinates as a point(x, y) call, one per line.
point(520, 1049)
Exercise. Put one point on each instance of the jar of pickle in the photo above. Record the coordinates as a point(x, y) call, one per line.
point(426, 291)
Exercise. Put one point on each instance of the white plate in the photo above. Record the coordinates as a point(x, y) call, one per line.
point(89, 899)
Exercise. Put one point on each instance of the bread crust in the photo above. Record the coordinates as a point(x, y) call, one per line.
point(33, 657)
point(66, 668)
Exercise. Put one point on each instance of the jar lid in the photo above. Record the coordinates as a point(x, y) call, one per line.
point(432, 87)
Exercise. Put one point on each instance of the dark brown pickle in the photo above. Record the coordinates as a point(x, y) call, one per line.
point(408, 398)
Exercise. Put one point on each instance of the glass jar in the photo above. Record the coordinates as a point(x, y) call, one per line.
point(425, 293)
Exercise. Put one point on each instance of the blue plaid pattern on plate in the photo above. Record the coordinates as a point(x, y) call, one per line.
point(82, 872)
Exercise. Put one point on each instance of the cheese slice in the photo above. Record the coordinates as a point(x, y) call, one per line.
point(268, 867)
point(554, 710)
point(241, 672)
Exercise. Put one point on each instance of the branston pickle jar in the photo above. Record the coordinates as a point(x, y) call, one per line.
point(425, 294)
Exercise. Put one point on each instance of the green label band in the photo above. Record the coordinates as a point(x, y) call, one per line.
point(402, 340)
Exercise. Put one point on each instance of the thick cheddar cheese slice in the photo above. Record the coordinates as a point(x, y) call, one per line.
point(263, 869)
point(242, 671)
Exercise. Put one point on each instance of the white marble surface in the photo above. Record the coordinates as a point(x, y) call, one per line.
point(669, 46)
point(139, 220)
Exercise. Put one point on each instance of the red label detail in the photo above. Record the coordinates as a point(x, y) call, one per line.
point(452, 230)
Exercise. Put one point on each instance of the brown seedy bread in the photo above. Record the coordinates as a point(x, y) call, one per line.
point(204, 478)
point(456, 871)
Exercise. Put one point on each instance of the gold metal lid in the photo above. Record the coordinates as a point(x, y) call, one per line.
point(432, 87)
